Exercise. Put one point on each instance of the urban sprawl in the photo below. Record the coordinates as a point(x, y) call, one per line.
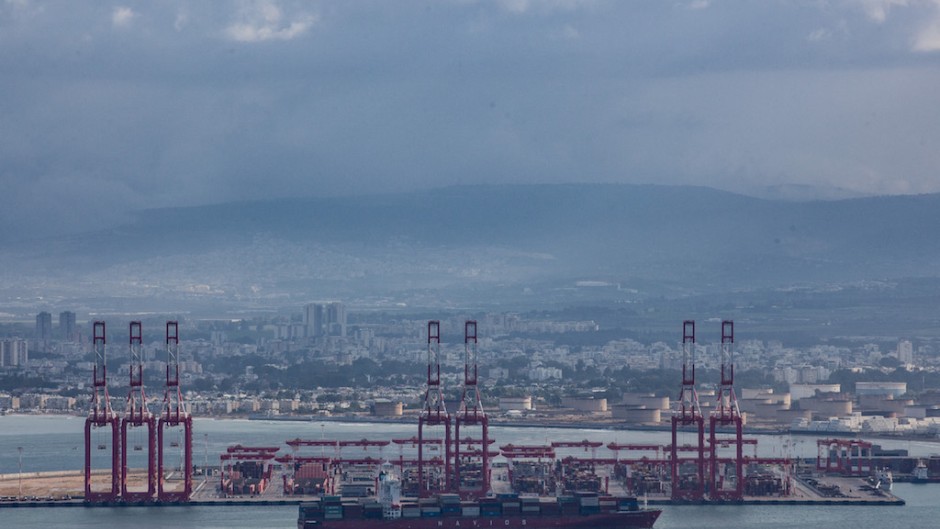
point(324, 362)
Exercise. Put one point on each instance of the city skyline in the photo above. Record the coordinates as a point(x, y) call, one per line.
point(665, 236)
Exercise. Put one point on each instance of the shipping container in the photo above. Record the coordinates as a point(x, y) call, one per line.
point(470, 511)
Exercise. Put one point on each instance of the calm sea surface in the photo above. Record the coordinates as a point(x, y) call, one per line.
point(56, 443)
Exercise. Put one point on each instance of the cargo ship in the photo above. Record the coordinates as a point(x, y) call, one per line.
point(388, 510)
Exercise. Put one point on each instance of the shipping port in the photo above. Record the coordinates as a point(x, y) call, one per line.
point(455, 460)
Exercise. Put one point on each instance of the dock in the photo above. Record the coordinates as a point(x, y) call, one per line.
point(65, 489)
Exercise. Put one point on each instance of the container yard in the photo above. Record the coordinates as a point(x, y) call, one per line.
point(453, 464)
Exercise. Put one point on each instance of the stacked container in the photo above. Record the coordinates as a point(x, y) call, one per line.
point(530, 506)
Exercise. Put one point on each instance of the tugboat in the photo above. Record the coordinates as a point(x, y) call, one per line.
point(587, 510)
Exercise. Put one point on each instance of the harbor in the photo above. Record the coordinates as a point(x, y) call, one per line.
point(64, 489)
point(51, 440)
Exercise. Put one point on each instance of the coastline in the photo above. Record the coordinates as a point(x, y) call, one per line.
point(254, 430)
point(262, 502)
point(579, 425)
point(533, 423)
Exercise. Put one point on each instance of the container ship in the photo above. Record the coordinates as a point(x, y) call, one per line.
point(581, 510)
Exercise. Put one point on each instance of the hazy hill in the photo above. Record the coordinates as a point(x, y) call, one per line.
point(461, 236)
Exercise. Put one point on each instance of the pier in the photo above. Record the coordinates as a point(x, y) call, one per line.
point(64, 489)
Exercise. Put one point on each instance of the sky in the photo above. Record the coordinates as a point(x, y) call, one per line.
point(111, 107)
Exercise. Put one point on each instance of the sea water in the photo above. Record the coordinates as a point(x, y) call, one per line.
point(56, 443)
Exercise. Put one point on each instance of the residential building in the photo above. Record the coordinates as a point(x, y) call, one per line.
point(14, 352)
point(336, 319)
point(68, 331)
point(314, 320)
point(43, 327)
point(905, 352)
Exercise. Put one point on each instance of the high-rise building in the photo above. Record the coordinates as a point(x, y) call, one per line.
point(336, 319)
point(905, 352)
point(43, 327)
point(314, 321)
point(68, 332)
point(325, 319)
point(14, 352)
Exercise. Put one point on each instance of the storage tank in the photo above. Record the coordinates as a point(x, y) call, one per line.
point(636, 414)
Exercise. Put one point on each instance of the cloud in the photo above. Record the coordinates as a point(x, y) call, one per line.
point(520, 7)
point(18, 4)
point(22, 8)
point(515, 6)
point(877, 10)
point(182, 18)
point(264, 20)
point(928, 40)
point(699, 4)
point(121, 17)
point(819, 35)
point(838, 30)
point(550, 91)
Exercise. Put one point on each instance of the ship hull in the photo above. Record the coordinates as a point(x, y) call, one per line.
point(614, 520)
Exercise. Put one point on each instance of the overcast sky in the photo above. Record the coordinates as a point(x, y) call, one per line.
point(113, 106)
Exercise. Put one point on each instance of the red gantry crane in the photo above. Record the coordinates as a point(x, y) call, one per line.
point(688, 486)
point(434, 414)
point(433, 445)
point(101, 418)
point(726, 414)
point(471, 414)
point(137, 417)
point(849, 457)
point(177, 418)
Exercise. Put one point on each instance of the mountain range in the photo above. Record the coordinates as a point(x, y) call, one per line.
point(495, 237)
